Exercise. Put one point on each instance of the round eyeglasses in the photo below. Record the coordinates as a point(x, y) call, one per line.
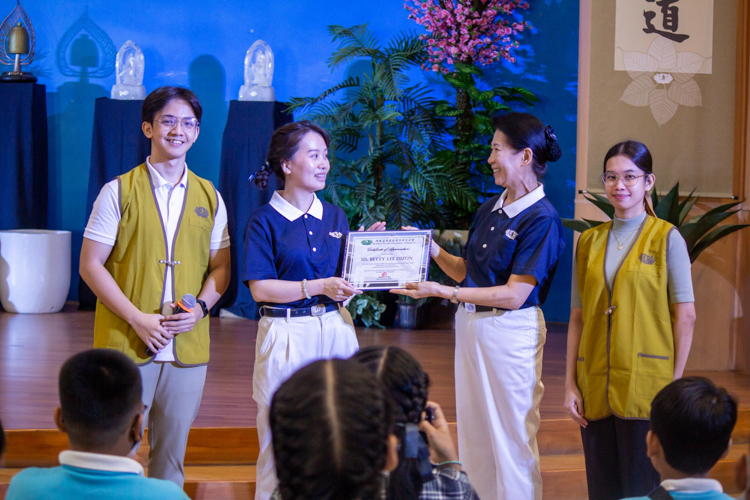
point(168, 122)
point(611, 179)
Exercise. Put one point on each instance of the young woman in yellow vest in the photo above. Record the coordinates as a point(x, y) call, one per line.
point(293, 255)
point(156, 233)
point(631, 326)
point(505, 273)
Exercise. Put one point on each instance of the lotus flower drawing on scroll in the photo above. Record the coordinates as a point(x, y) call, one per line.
point(663, 79)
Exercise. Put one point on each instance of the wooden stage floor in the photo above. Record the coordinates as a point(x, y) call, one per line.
point(33, 347)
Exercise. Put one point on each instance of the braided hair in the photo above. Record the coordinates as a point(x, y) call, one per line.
point(527, 131)
point(284, 145)
point(330, 423)
point(407, 384)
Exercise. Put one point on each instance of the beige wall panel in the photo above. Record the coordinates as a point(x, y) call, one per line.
point(696, 145)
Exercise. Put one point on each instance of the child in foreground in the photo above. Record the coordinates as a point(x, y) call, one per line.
point(691, 429)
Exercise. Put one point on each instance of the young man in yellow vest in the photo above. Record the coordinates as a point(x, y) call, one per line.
point(155, 234)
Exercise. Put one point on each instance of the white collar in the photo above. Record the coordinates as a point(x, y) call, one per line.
point(692, 485)
point(98, 461)
point(292, 213)
point(520, 204)
point(159, 181)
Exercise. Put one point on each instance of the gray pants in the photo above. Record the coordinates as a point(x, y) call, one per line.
point(173, 395)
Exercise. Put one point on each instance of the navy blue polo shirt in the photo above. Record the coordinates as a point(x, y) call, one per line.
point(525, 237)
point(284, 243)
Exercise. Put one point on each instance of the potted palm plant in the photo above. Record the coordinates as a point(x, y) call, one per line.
point(385, 140)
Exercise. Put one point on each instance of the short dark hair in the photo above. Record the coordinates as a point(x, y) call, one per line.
point(527, 131)
point(330, 423)
point(407, 384)
point(635, 151)
point(159, 98)
point(284, 144)
point(693, 420)
point(100, 390)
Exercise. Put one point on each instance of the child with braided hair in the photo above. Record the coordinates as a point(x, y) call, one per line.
point(416, 477)
point(331, 425)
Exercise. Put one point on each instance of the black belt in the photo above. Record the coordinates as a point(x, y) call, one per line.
point(481, 309)
point(282, 312)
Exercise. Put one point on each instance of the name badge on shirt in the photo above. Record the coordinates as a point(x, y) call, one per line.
point(510, 234)
point(335, 234)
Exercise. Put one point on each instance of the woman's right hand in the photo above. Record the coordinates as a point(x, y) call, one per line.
point(574, 405)
point(338, 289)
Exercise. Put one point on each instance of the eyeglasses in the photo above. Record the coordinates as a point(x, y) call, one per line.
point(611, 179)
point(168, 122)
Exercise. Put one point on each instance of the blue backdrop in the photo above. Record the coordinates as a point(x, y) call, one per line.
point(203, 46)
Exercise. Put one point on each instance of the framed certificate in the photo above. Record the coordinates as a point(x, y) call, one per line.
point(381, 260)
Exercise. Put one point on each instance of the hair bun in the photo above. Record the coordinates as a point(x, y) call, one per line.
point(261, 176)
point(553, 150)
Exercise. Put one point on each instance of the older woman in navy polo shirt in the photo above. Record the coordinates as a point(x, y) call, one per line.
point(505, 273)
point(293, 252)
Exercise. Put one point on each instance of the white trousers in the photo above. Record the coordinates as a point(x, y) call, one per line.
point(283, 346)
point(498, 392)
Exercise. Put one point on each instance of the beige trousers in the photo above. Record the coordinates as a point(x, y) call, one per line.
point(282, 347)
point(173, 395)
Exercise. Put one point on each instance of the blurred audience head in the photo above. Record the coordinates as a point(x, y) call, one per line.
point(691, 426)
point(331, 426)
point(100, 402)
point(407, 385)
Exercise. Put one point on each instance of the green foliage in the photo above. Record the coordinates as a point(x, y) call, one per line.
point(700, 232)
point(368, 308)
point(470, 122)
point(389, 159)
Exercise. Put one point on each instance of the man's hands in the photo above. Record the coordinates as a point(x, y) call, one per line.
point(149, 328)
point(182, 322)
point(156, 330)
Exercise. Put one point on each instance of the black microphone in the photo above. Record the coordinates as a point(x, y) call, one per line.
point(184, 305)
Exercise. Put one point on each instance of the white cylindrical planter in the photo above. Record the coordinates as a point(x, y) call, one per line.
point(34, 270)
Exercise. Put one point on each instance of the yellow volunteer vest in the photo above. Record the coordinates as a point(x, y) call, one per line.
point(138, 263)
point(626, 354)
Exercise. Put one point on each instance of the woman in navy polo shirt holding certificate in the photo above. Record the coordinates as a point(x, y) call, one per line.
point(505, 273)
point(293, 252)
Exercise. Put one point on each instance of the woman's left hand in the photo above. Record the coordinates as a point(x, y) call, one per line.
point(419, 290)
point(378, 226)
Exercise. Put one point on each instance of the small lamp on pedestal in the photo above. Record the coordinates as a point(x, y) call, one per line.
point(18, 45)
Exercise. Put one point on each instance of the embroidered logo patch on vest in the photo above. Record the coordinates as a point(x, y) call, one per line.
point(510, 234)
point(649, 260)
point(201, 212)
point(335, 234)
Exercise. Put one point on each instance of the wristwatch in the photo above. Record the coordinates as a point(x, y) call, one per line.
point(203, 306)
point(454, 298)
